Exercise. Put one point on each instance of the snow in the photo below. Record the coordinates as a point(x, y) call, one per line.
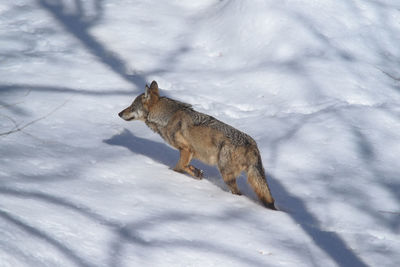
point(316, 83)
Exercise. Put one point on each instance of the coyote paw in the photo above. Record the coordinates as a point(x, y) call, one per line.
point(200, 174)
point(237, 193)
point(193, 171)
point(270, 206)
point(178, 170)
point(197, 173)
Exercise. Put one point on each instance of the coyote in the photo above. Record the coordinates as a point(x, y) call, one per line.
point(200, 136)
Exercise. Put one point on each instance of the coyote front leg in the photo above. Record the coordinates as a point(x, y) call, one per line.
point(183, 164)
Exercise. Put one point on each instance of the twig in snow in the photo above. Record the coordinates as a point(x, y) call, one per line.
point(18, 128)
point(390, 75)
point(390, 212)
point(17, 103)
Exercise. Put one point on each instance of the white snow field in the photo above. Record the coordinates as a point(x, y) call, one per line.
point(315, 83)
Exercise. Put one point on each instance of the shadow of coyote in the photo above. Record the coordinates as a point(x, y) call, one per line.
point(200, 136)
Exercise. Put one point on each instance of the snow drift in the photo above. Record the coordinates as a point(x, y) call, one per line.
point(315, 83)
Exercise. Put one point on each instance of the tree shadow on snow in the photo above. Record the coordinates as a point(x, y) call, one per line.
point(76, 21)
point(330, 242)
point(41, 235)
point(125, 234)
point(129, 235)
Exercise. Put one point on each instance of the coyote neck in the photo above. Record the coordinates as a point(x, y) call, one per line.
point(162, 111)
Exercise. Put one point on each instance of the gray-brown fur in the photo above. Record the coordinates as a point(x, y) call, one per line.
point(200, 136)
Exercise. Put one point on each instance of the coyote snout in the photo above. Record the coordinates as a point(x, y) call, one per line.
point(135, 111)
point(127, 115)
point(200, 136)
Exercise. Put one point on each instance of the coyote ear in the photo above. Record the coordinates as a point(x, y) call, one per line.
point(151, 91)
point(154, 87)
point(147, 92)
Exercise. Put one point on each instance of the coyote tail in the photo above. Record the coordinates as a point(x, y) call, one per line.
point(258, 181)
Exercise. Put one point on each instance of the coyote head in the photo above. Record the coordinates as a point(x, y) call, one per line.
point(142, 104)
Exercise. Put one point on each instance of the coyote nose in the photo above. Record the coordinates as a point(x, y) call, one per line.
point(120, 114)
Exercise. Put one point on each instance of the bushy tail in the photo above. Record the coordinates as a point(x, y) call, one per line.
point(256, 178)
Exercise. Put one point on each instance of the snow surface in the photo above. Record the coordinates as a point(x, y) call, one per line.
point(316, 83)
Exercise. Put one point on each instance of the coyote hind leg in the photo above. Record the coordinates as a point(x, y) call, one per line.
point(230, 180)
